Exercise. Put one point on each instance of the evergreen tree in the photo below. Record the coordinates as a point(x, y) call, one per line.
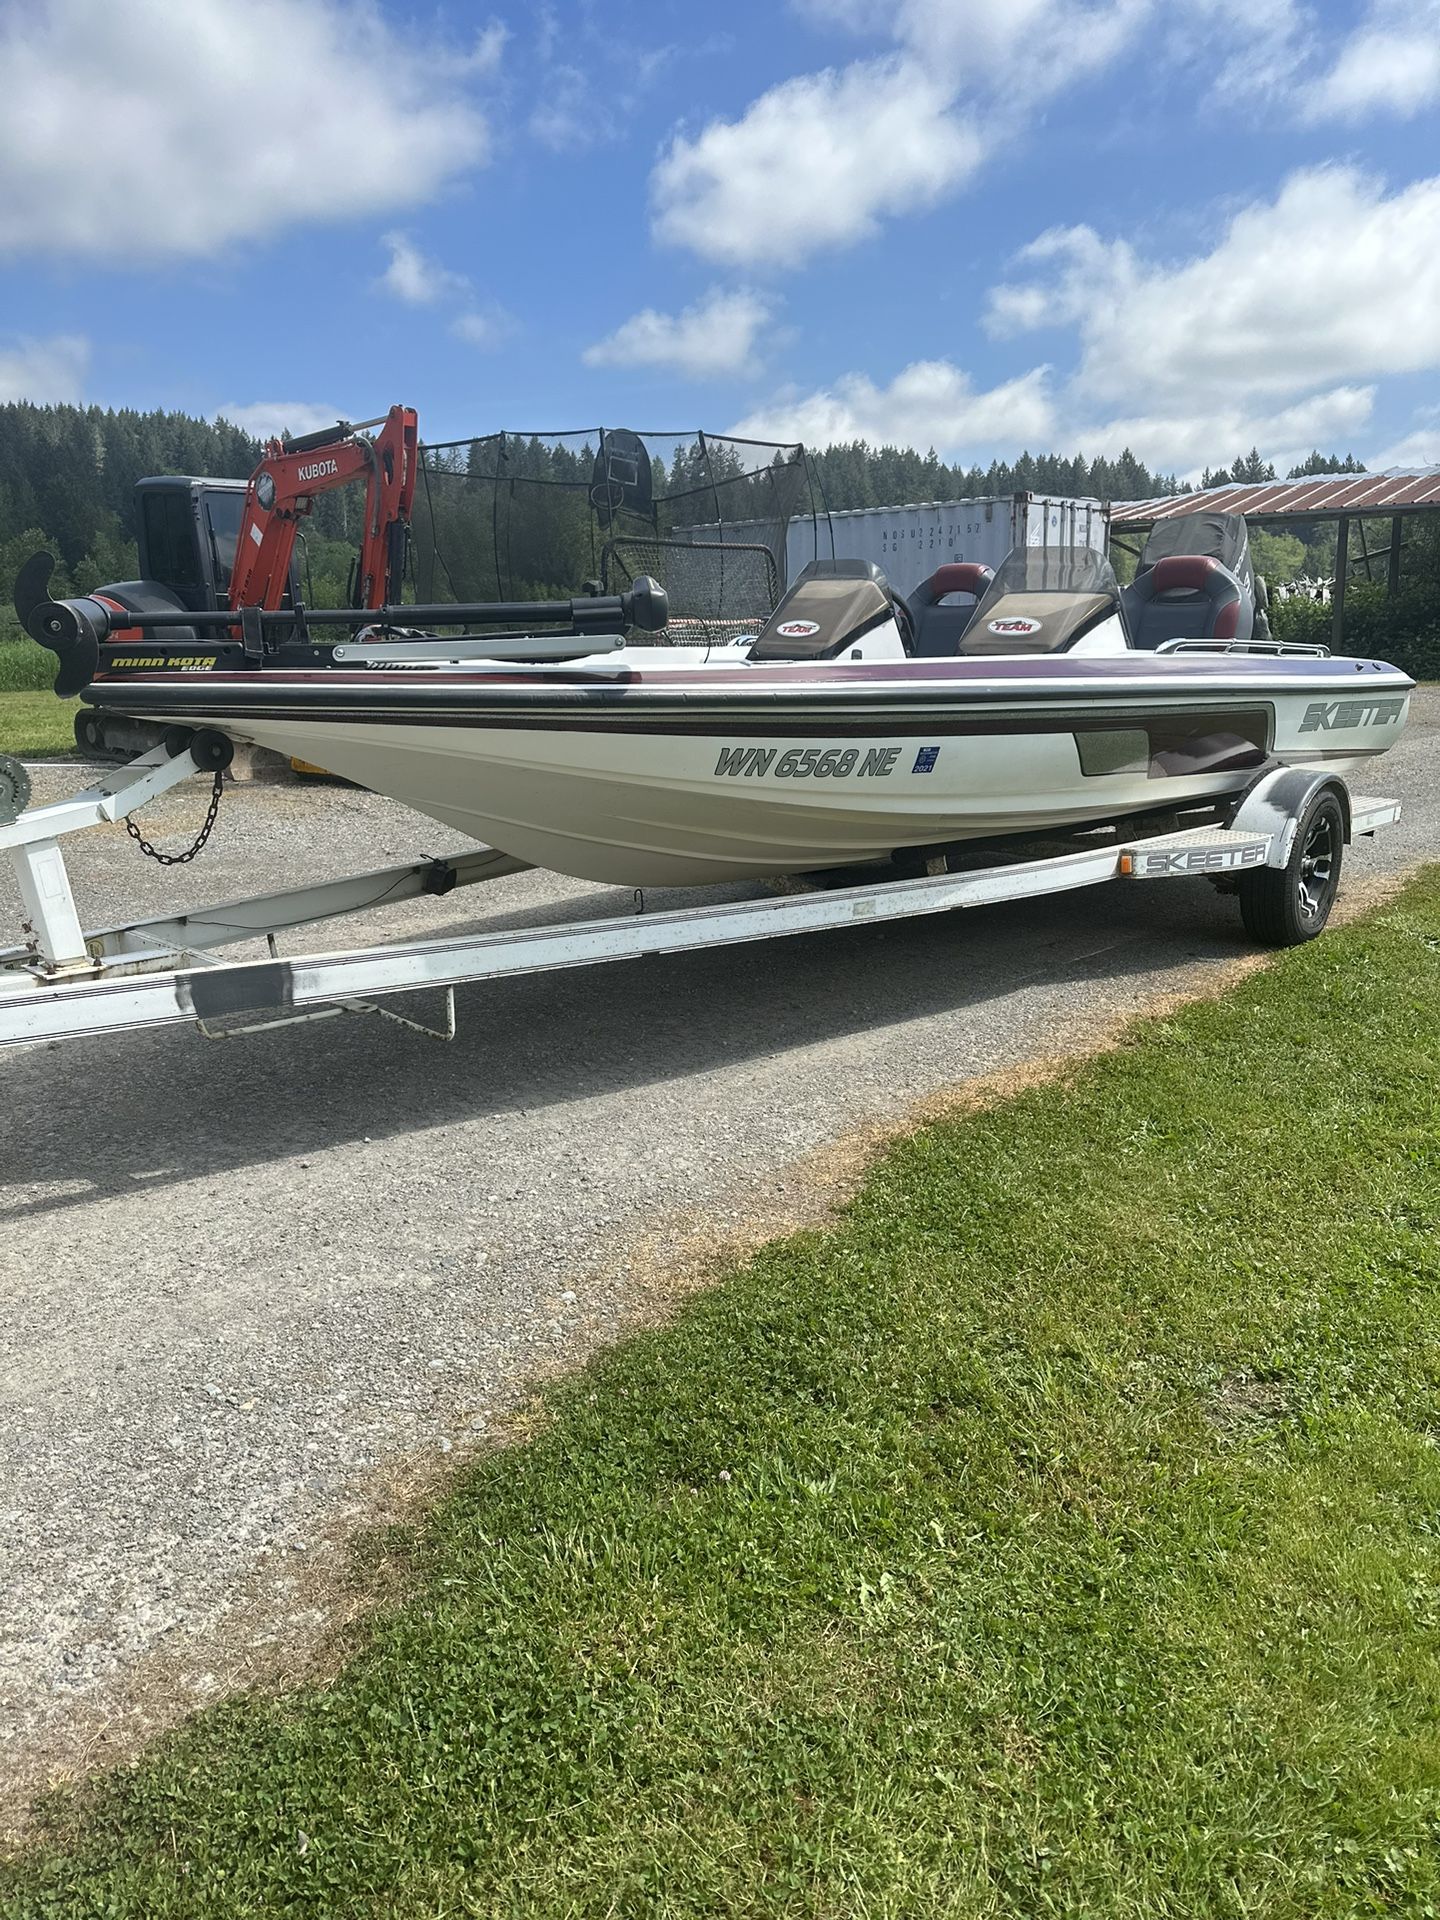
point(1251, 469)
point(1318, 463)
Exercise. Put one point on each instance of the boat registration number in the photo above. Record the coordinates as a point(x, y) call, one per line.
point(815, 763)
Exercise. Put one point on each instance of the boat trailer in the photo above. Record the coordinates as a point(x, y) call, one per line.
point(66, 983)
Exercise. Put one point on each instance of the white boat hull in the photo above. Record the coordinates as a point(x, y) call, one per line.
point(663, 809)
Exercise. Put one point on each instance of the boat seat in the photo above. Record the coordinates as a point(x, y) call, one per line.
point(1188, 596)
point(938, 626)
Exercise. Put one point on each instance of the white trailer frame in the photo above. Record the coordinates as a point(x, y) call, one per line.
point(65, 983)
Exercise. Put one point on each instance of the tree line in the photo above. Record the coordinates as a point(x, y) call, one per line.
point(508, 513)
point(68, 474)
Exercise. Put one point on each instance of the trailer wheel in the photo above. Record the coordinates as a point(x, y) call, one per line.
point(89, 734)
point(1285, 906)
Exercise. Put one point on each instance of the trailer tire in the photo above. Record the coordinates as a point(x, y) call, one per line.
point(89, 732)
point(1286, 906)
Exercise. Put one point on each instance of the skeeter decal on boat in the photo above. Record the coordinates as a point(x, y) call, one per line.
point(1324, 716)
point(806, 763)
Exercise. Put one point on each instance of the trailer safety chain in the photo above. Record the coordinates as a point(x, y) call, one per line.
point(180, 859)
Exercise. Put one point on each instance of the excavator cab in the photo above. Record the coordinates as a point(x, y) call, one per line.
point(187, 530)
point(220, 552)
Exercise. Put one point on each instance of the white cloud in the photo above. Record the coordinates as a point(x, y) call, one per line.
point(1185, 440)
point(1419, 447)
point(1050, 44)
point(1047, 44)
point(227, 121)
point(814, 164)
point(1275, 51)
point(819, 161)
point(1086, 273)
point(567, 116)
point(271, 419)
point(484, 327)
point(934, 404)
point(412, 276)
point(931, 403)
point(1251, 50)
point(415, 278)
point(1391, 64)
point(485, 56)
point(44, 371)
point(1275, 337)
point(718, 335)
point(593, 94)
point(1333, 281)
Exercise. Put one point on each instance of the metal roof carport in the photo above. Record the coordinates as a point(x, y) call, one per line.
point(1392, 496)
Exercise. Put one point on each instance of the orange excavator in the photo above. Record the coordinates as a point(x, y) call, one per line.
point(282, 490)
point(217, 546)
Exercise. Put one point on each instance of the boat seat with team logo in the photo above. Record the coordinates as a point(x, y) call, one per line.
point(942, 607)
point(1188, 596)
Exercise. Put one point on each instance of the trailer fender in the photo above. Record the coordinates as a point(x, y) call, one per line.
point(1277, 802)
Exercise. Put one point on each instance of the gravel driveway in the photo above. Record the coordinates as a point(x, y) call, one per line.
point(244, 1287)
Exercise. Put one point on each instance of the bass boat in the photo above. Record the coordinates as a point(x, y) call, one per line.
point(830, 738)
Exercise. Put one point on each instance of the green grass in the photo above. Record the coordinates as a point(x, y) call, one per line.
point(36, 725)
point(1058, 1535)
point(25, 667)
point(33, 723)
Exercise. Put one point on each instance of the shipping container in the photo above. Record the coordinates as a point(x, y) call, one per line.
point(909, 543)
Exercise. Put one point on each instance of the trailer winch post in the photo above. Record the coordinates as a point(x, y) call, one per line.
point(51, 924)
point(49, 906)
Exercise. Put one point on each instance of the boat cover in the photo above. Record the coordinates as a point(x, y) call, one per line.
point(1218, 536)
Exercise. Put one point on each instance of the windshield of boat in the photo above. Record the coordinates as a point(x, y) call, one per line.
point(1042, 600)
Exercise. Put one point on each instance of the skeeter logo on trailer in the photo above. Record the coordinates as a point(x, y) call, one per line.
point(1327, 716)
point(806, 763)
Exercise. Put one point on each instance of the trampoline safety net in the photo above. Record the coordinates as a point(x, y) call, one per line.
point(543, 516)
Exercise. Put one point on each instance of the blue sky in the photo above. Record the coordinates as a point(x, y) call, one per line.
point(975, 224)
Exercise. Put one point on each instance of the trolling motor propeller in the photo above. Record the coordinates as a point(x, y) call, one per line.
point(71, 629)
point(30, 584)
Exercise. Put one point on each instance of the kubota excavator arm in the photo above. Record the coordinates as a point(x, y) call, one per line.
point(283, 489)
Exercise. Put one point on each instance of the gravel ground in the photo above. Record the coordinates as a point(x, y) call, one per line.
point(247, 1289)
